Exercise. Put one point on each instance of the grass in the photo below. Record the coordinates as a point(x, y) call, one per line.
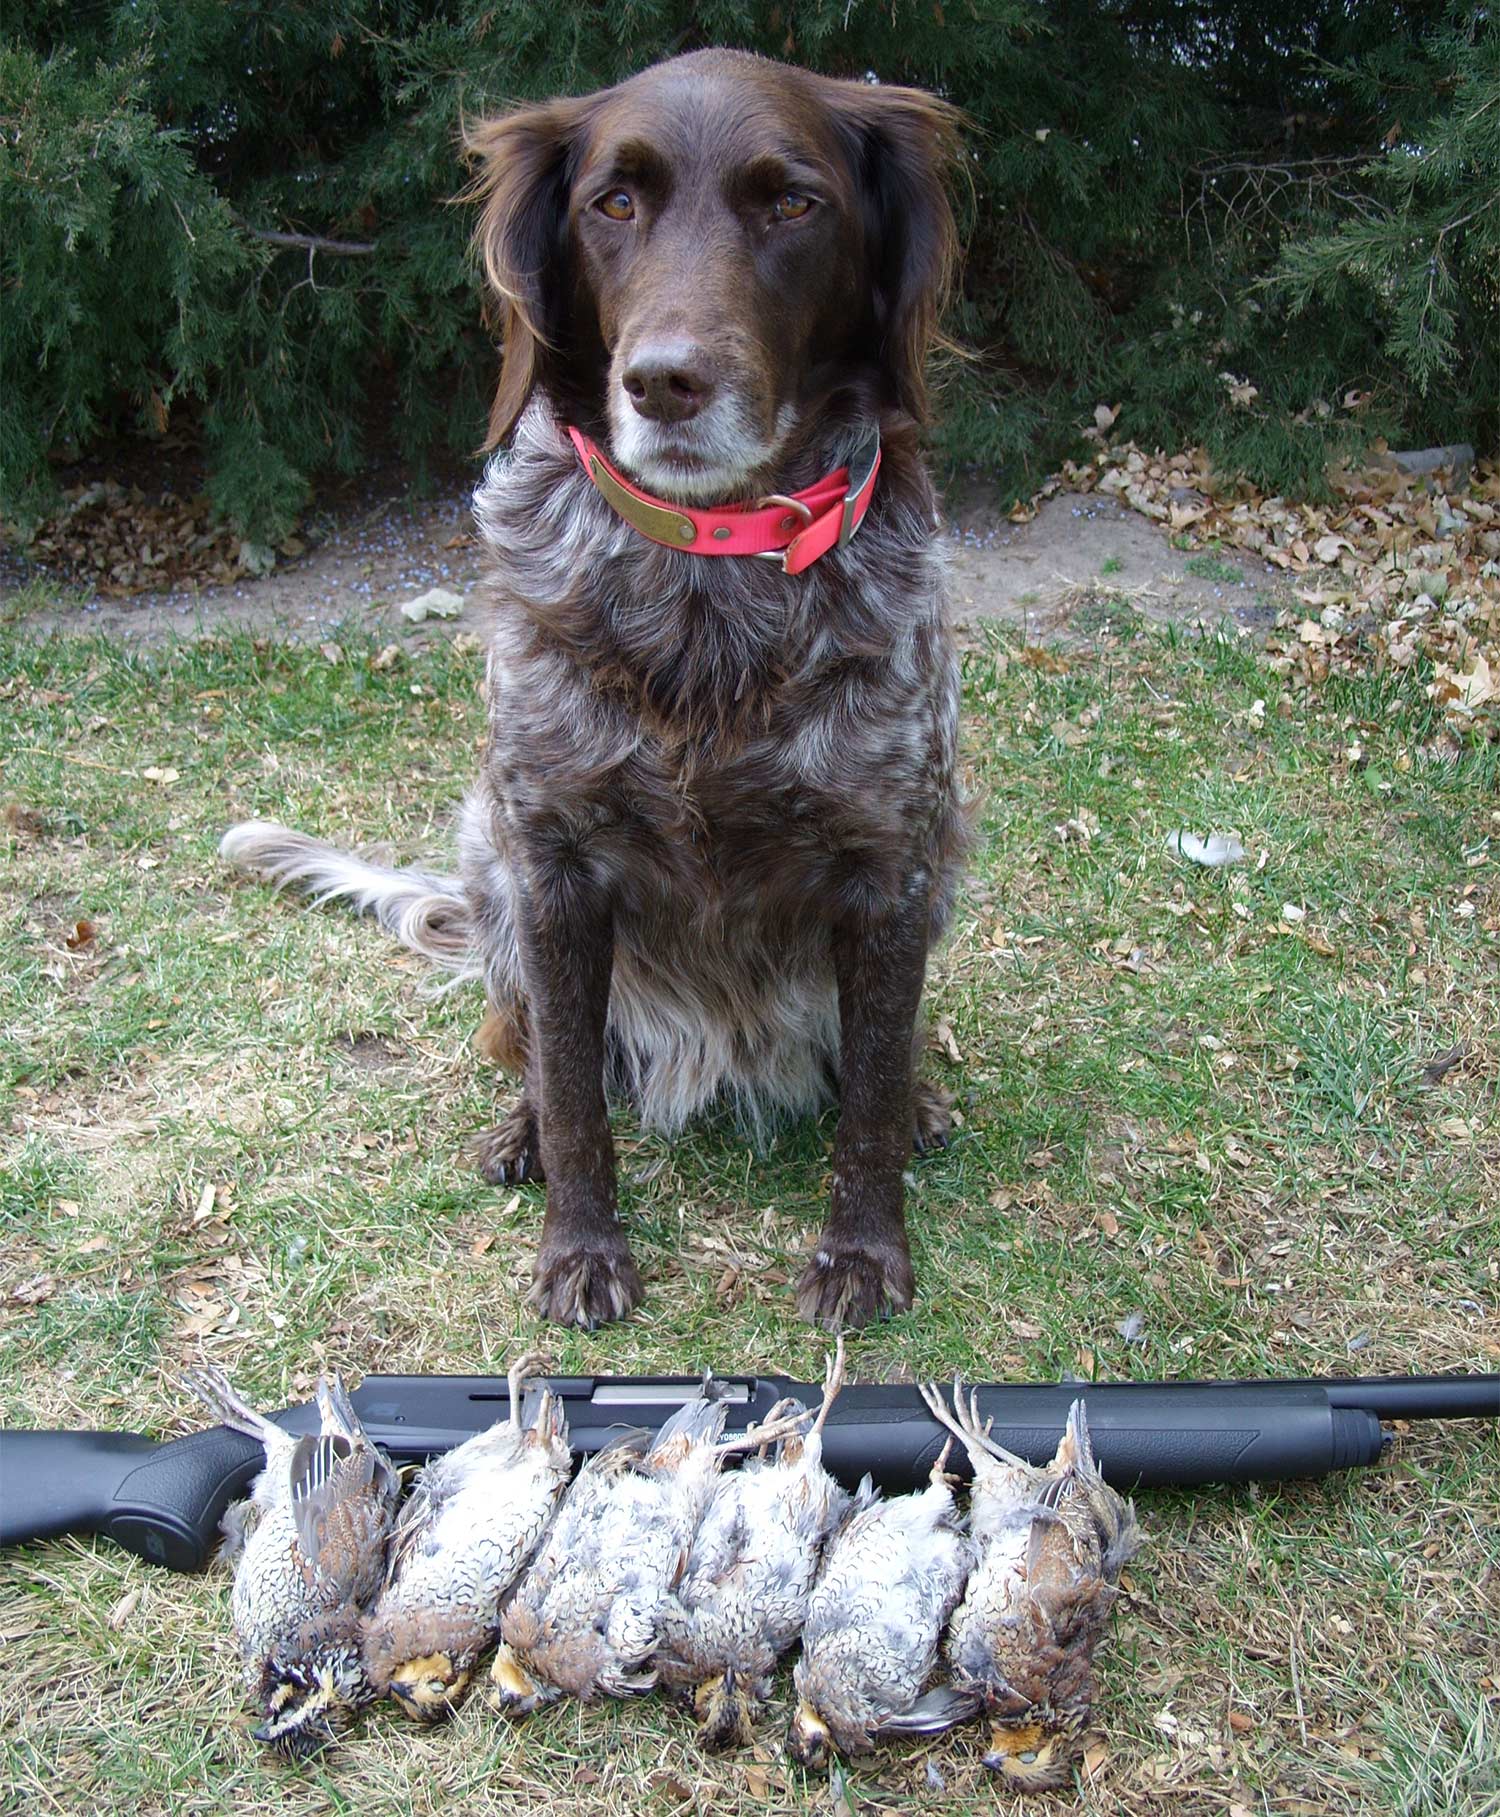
point(1209, 567)
point(231, 1128)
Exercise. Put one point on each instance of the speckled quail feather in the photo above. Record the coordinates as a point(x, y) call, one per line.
point(744, 1594)
point(1051, 1543)
point(309, 1552)
point(893, 1573)
point(472, 1520)
point(585, 1617)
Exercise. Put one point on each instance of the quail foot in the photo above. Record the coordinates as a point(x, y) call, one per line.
point(1051, 1542)
point(892, 1575)
point(472, 1520)
point(309, 1552)
point(744, 1594)
point(585, 1617)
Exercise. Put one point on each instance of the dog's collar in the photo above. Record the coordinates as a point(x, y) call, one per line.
point(792, 529)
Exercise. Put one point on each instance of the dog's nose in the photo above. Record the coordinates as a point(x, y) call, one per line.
point(669, 384)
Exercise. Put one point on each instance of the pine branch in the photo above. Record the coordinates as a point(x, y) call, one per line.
point(307, 242)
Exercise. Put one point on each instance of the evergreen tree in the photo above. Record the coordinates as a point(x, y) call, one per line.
point(1271, 227)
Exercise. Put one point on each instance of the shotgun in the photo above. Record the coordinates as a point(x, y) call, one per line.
point(164, 1501)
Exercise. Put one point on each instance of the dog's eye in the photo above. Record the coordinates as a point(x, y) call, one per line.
point(619, 205)
point(791, 205)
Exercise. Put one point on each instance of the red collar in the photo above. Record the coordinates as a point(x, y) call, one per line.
point(792, 529)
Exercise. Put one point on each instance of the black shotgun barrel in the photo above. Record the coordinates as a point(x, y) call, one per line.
point(1144, 1436)
point(165, 1501)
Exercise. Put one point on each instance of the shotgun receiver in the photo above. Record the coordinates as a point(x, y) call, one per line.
point(164, 1501)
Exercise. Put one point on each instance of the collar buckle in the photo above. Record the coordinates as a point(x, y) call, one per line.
point(862, 464)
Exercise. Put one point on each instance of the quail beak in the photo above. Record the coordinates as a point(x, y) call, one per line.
point(722, 1706)
point(429, 1689)
point(1028, 1757)
point(302, 1720)
point(512, 1689)
point(297, 1734)
point(810, 1740)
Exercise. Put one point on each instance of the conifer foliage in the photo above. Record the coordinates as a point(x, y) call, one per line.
point(1271, 227)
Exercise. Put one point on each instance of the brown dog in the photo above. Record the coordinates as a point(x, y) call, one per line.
point(717, 823)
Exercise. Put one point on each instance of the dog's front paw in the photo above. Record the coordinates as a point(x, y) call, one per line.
point(510, 1154)
point(848, 1283)
point(591, 1282)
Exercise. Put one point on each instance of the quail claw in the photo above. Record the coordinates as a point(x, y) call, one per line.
point(833, 1381)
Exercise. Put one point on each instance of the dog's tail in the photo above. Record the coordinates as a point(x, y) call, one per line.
point(425, 911)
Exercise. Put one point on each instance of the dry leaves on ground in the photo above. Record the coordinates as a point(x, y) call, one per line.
point(1398, 568)
point(116, 539)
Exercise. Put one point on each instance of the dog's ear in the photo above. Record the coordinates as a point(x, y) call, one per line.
point(525, 163)
point(903, 146)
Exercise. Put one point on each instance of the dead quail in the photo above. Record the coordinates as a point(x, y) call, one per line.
point(309, 1547)
point(1051, 1542)
point(893, 1573)
point(585, 1617)
point(472, 1520)
point(744, 1594)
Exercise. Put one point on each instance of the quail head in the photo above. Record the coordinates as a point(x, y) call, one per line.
point(586, 1614)
point(472, 1520)
point(309, 1553)
point(743, 1596)
point(1051, 1542)
point(893, 1573)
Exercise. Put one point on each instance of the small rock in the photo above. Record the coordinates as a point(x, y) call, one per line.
point(1420, 461)
point(437, 602)
point(1216, 850)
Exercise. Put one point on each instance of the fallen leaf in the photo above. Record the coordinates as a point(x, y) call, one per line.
point(82, 935)
point(1108, 1223)
point(481, 1245)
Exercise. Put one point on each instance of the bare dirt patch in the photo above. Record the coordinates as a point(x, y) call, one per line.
point(1054, 576)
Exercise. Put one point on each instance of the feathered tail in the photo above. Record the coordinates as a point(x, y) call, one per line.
point(424, 910)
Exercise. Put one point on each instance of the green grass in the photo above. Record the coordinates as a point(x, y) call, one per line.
point(232, 1128)
point(1209, 567)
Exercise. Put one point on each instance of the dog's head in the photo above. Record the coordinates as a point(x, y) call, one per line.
point(695, 262)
